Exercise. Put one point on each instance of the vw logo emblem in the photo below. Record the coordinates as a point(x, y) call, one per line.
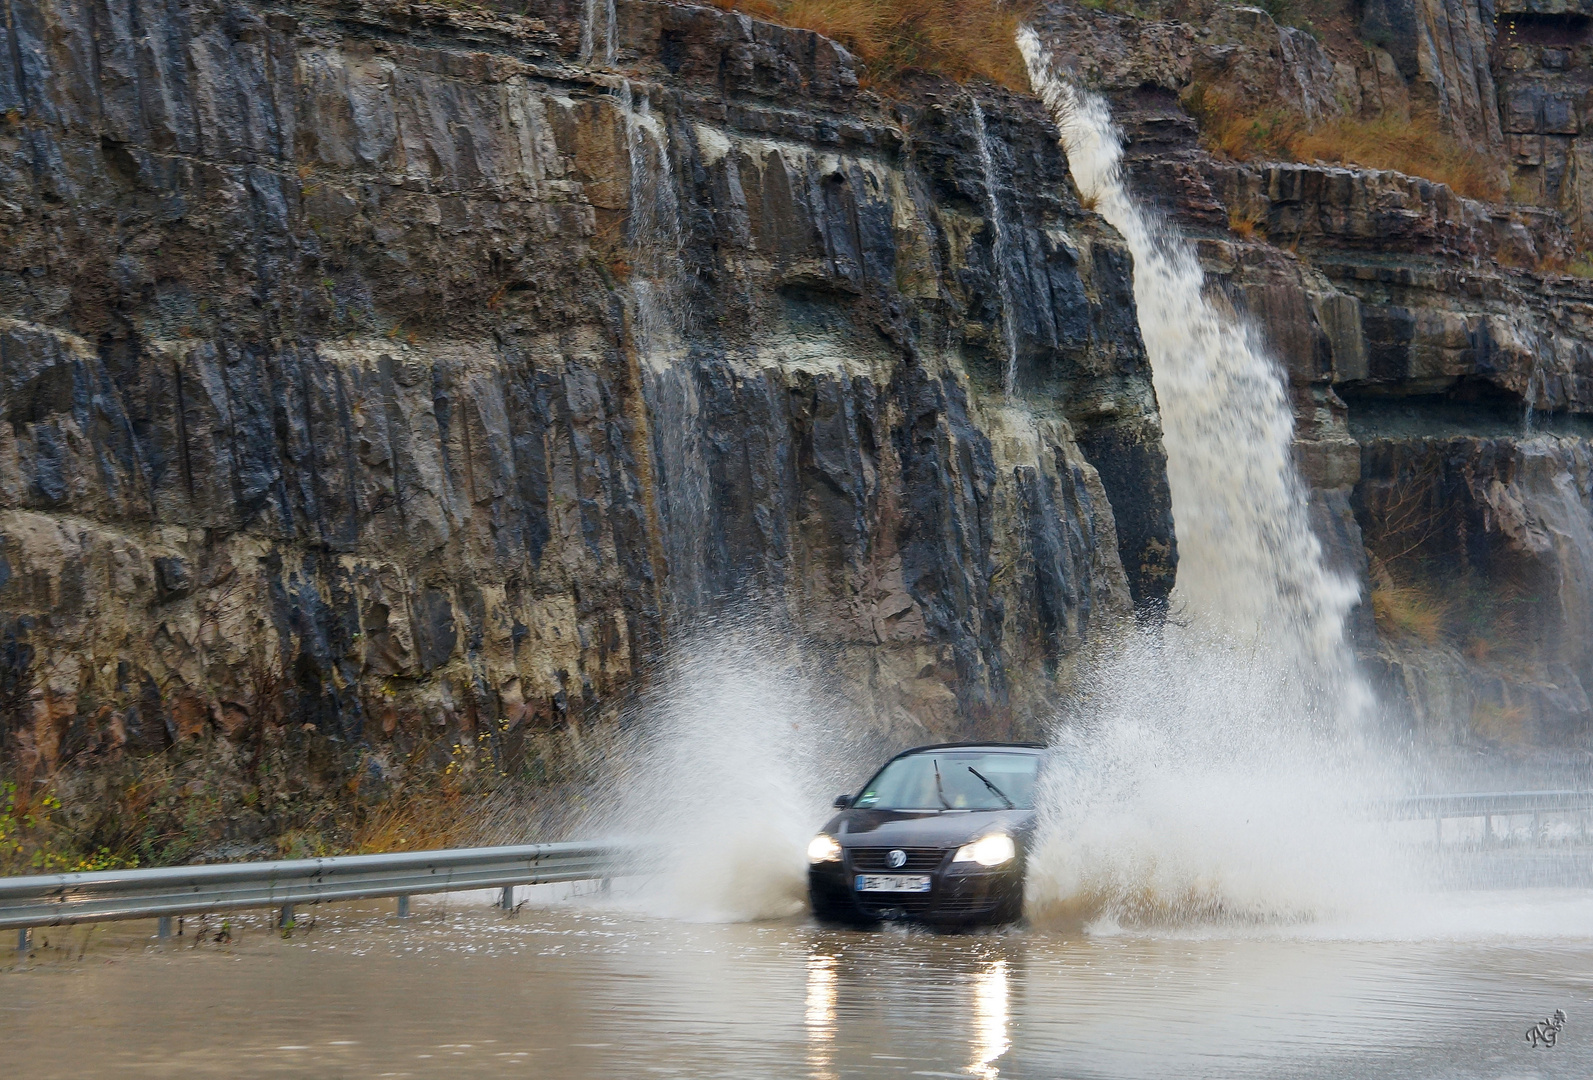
point(896, 859)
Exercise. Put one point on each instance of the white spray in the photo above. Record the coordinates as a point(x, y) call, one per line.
point(732, 751)
point(1214, 770)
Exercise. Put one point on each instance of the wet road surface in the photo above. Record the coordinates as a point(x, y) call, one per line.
point(571, 991)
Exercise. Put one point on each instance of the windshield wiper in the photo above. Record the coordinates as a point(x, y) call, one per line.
point(939, 791)
point(1002, 795)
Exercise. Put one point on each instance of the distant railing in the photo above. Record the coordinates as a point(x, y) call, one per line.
point(1493, 804)
point(1488, 805)
point(60, 899)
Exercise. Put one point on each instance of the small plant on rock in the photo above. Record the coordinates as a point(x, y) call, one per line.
point(1409, 612)
point(1247, 226)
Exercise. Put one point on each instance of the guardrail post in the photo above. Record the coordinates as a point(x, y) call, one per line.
point(285, 917)
point(163, 927)
point(1438, 831)
point(403, 907)
point(1537, 828)
point(22, 939)
point(506, 901)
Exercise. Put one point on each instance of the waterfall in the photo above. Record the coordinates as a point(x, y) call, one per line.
point(1249, 565)
point(654, 233)
point(998, 250)
point(1216, 769)
point(1537, 387)
point(655, 241)
point(589, 31)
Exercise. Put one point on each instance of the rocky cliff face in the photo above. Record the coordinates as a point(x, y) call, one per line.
point(1545, 60)
point(1440, 49)
point(406, 374)
point(1440, 361)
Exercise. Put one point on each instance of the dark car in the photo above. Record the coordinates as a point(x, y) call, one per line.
point(938, 835)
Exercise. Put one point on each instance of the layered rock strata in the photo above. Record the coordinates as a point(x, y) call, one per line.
point(410, 373)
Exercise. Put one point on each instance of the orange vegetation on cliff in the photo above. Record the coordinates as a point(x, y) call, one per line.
point(960, 39)
point(1417, 147)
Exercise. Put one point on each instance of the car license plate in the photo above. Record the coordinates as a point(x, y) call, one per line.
point(893, 883)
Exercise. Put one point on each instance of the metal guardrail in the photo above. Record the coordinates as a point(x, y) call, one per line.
point(1488, 805)
point(1492, 804)
point(61, 899)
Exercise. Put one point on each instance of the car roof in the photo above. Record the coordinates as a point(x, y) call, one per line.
point(974, 746)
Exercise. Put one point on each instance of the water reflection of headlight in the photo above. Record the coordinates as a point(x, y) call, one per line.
point(821, 995)
point(821, 1016)
point(990, 1019)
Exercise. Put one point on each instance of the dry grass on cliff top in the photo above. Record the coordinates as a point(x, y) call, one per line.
point(1417, 147)
point(959, 39)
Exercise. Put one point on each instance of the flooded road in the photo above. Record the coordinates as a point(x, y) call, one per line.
point(569, 991)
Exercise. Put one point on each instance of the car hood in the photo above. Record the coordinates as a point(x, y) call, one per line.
point(911, 828)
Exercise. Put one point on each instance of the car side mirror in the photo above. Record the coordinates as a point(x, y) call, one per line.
point(842, 802)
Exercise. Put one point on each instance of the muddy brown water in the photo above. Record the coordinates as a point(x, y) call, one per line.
point(572, 991)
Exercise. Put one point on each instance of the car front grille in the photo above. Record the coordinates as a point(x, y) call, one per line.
point(950, 906)
point(895, 905)
point(920, 860)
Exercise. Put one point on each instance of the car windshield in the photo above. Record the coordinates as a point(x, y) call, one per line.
point(967, 780)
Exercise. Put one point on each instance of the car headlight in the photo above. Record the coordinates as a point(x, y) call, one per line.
point(992, 850)
point(823, 848)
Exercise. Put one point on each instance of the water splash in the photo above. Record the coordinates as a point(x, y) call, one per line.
point(1181, 794)
point(730, 757)
point(1214, 770)
point(998, 253)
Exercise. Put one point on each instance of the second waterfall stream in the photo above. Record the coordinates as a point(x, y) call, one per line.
point(1215, 769)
